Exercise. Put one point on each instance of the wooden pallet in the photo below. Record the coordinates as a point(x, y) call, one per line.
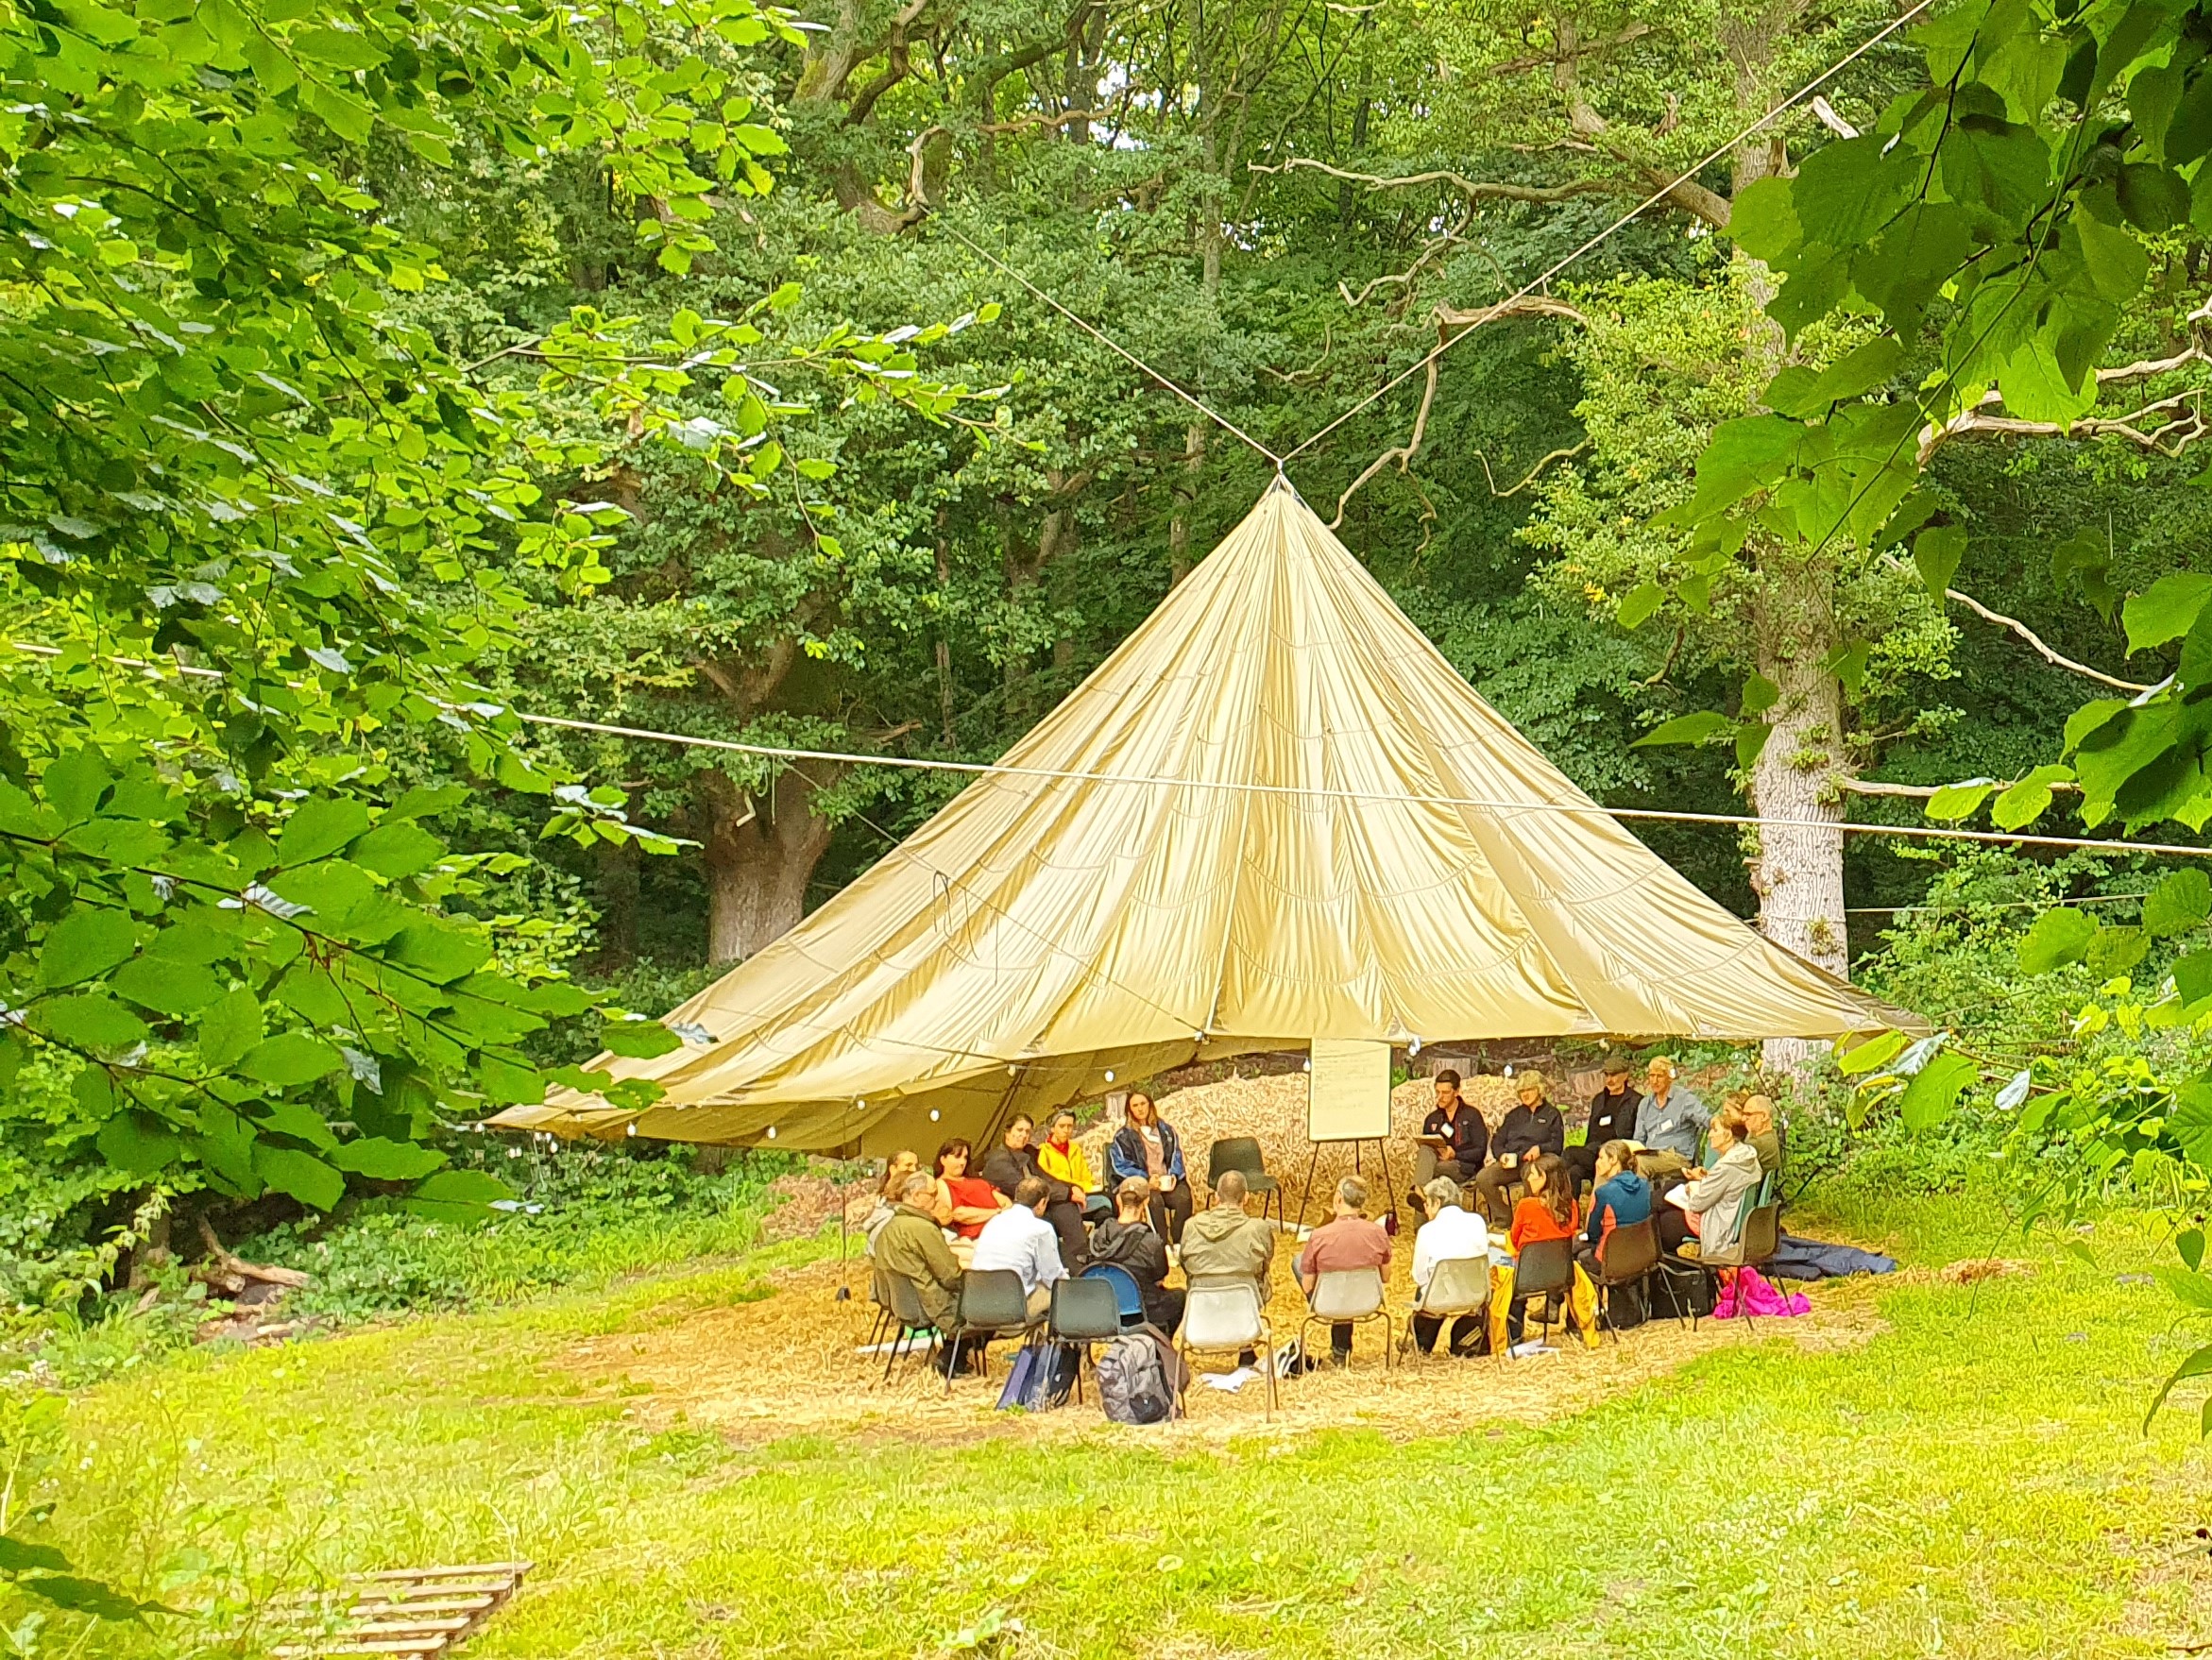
point(413, 1613)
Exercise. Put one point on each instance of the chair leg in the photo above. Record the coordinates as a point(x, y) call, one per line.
point(892, 1359)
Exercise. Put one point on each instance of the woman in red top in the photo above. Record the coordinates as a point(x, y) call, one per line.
point(964, 1202)
point(1549, 1211)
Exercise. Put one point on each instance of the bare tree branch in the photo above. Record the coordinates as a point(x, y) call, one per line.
point(1404, 453)
point(1542, 463)
point(1474, 190)
point(2170, 437)
point(2058, 659)
point(1826, 111)
point(1919, 791)
point(1522, 65)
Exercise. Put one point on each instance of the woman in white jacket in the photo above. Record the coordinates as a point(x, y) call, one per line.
point(1715, 1200)
point(1451, 1233)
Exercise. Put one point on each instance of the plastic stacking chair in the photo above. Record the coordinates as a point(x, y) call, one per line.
point(1128, 1296)
point(1545, 1269)
point(1762, 1238)
point(1083, 1312)
point(1224, 1316)
point(1351, 1296)
point(912, 1319)
point(990, 1302)
point(1460, 1285)
point(1243, 1153)
point(1629, 1254)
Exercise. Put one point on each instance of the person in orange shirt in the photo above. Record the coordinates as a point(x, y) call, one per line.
point(1548, 1211)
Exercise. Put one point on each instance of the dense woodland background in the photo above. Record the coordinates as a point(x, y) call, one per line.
point(1279, 205)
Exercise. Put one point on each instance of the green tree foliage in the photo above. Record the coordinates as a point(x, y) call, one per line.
point(259, 525)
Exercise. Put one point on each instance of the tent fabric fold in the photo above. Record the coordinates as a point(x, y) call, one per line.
point(1287, 817)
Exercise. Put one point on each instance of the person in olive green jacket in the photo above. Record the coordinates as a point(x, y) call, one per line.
point(913, 1243)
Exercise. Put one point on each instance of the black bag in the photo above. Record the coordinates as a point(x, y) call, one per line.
point(1042, 1378)
point(1624, 1308)
point(1679, 1296)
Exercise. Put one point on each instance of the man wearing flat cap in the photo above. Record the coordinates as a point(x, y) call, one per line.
point(1612, 1117)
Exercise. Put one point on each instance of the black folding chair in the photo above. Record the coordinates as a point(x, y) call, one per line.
point(1083, 1312)
point(1242, 1153)
point(990, 1302)
point(1629, 1254)
point(1545, 1269)
point(904, 1301)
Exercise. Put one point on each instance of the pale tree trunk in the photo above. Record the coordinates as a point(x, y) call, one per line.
point(1797, 871)
point(760, 855)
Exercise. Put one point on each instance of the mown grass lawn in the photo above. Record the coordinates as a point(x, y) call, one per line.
point(1973, 1481)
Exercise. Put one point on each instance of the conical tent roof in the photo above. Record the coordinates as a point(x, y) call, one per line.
point(1260, 836)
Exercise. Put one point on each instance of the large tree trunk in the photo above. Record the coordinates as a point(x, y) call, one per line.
point(1797, 871)
point(760, 855)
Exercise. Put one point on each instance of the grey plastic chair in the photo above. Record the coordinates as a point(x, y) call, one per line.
point(1351, 1296)
point(1459, 1286)
point(990, 1302)
point(1242, 1153)
point(1224, 1316)
point(1083, 1312)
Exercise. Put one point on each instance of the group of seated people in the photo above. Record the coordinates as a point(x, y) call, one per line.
point(1027, 1208)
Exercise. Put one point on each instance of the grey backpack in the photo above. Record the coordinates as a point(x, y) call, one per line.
point(1132, 1384)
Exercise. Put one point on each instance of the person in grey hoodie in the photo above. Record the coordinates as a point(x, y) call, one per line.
point(1714, 1198)
point(1224, 1242)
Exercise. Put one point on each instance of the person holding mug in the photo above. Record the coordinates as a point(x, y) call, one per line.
point(1146, 1149)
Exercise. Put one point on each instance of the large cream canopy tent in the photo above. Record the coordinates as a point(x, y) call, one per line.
point(1266, 839)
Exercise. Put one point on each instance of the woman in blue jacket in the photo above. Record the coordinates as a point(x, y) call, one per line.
point(1144, 1149)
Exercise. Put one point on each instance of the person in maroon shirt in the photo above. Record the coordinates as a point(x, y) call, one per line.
point(1348, 1241)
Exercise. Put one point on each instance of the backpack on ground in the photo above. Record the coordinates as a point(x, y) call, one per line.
point(1133, 1386)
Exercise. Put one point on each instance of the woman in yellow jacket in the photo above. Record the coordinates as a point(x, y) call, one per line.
point(1064, 1162)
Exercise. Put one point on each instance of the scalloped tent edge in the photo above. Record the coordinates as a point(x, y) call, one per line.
point(1270, 841)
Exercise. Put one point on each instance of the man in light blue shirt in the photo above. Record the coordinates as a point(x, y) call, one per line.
point(1019, 1238)
point(1668, 1120)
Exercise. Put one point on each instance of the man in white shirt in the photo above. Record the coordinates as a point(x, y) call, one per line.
point(1020, 1238)
point(1451, 1233)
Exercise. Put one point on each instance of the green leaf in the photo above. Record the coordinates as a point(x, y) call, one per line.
point(1640, 603)
point(1936, 553)
point(1844, 193)
point(2189, 1242)
point(2192, 978)
point(439, 951)
point(1804, 395)
point(229, 1028)
point(22, 1556)
point(83, 1596)
point(2059, 937)
point(290, 1057)
point(470, 1187)
point(1751, 740)
point(319, 827)
point(1763, 222)
point(380, 1159)
point(138, 1142)
point(86, 944)
point(2180, 903)
point(2115, 951)
point(1702, 727)
point(397, 850)
point(297, 1119)
point(638, 1039)
point(2197, 1364)
point(75, 783)
point(1760, 695)
point(303, 1175)
point(1866, 1056)
point(2166, 610)
point(1959, 801)
point(90, 1019)
point(166, 987)
point(1933, 1091)
point(2154, 198)
point(505, 1084)
point(2026, 801)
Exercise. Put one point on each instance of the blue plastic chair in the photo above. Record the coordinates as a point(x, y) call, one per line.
point(1129, 1296)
